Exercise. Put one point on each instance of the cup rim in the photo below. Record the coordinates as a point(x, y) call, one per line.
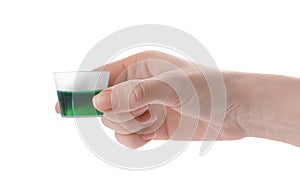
point(81, 80)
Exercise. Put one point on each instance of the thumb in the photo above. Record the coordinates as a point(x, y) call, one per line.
point(133, 94)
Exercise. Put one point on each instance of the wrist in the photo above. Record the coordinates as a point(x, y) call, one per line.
point(248, 99)
point(267, 106)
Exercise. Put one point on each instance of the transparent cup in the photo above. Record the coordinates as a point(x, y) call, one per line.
point(75, 91)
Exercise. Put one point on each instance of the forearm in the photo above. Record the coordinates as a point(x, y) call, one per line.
point(269, 106)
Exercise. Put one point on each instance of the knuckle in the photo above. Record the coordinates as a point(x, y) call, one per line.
point(139, 92)
point(105, 122)
point(118, 138)
point(150, 54)
point(127, 140)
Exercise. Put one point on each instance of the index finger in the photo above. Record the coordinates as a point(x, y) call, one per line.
point(120, 66)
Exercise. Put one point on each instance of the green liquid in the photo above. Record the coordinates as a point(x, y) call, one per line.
point(77, 103)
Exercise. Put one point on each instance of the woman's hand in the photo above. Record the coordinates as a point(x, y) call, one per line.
point(151, 92)
point(152, 95)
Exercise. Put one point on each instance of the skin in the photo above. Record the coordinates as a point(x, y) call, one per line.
point(258, 105)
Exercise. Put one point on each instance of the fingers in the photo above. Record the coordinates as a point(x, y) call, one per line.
point(120, 67)
point(143, 124)
point(138, 131)
point(133, 94)
point(134, 141)
point(103, 100)
point(57, 109)
point(126, 116)
point(148, 122)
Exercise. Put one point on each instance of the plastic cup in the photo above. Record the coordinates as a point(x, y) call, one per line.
point(75, 91)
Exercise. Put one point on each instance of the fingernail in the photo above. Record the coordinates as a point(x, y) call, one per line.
point(149, 136)
point(140, 110)
point(102, 101)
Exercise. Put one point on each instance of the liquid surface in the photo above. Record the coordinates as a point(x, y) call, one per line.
point(77, 103)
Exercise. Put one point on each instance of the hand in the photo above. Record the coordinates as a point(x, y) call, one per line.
point(152, 95)
point(141, 104)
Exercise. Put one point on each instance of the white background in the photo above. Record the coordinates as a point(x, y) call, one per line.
point(41, 151)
